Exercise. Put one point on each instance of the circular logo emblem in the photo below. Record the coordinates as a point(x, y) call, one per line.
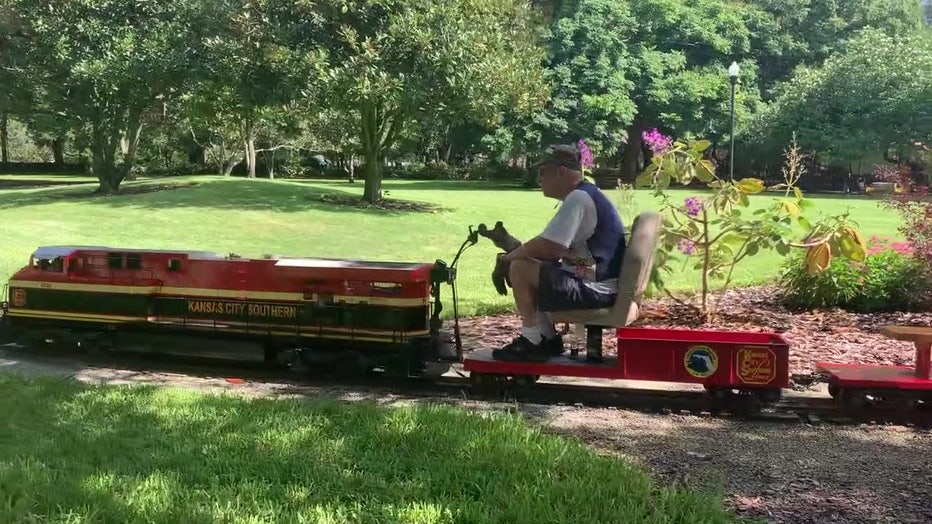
point(18, 298)
point(700, 361)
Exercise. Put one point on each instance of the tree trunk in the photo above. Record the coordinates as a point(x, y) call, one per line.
point(378, 131)
point(352, 167)
point(103, 148)
point(227, 168)
point(449, 149)
point(372, 192)
point(58, 150)
point(248, 132)
point(632, 151)
point(130, 144)
point(4, 139)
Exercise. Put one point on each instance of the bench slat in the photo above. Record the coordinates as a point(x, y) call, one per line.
point(909, 333)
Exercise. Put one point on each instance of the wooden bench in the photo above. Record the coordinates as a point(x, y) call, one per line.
point(922, 338)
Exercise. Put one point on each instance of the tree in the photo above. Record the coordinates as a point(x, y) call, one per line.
point(248, 79)
point(806, 32)
point(13, 42)
point(590, 66)
point(872, 96)
point(102, 64)
point(619, 66)
point(393, 61)
point(717, 234)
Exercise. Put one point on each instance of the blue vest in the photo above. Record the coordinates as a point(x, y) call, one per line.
point(607, 243)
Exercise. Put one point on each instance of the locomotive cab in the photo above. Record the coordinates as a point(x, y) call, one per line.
point(51, 260)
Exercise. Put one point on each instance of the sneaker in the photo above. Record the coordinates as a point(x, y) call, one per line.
point(522, 349)
point(553, 346)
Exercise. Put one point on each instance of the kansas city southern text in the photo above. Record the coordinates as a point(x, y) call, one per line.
point(242, 308)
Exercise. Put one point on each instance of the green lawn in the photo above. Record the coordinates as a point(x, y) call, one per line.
point(76, 453)
point(255, 217)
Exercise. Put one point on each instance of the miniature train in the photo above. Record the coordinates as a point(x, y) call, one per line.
point(322, 313)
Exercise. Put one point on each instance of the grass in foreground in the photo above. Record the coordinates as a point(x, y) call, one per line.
point(73, 452)
point(254, 217)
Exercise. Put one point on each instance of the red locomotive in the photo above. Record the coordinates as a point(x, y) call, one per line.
point(315, 309)
point(320, 312)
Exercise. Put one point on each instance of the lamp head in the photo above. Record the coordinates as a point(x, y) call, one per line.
point(733, 70)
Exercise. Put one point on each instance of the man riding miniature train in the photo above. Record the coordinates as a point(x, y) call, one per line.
point(573, 264)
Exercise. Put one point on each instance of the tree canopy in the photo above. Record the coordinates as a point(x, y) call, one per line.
point(238, 86)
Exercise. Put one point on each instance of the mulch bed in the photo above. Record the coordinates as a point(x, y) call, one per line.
point(813, 336)
point(385, 204)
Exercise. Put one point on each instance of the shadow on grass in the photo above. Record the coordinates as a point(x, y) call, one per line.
point(32, 184)
point(147, 454)
point(217, 193)
point(391, 184)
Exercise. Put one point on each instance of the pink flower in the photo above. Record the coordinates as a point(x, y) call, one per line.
point(657, 142)
point(686, 246)
point(693, 206)
point(586, 154)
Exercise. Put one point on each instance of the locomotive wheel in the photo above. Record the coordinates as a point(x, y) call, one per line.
point(525, 380)
point(741, 403)
point(900, 401)
point(486, 384)
point(745, 404)
point(718, 400)
point(833, 388)
point(852, 399)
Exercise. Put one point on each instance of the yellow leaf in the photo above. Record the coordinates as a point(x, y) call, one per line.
point(704, 171)
point(749, 186)
point(855, 235)
point(818, 259)
point(791, 208)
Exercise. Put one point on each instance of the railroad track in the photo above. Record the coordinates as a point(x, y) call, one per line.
point(456, 386)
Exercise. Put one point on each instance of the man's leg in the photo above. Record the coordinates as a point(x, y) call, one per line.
point(525, 276)
point(536, 327)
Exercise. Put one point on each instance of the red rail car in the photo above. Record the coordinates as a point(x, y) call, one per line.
point(725, 362)
point(856, 385)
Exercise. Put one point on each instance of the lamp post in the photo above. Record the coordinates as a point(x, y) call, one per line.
point(733, 71)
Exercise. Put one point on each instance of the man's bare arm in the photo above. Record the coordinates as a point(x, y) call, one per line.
point(539, 248)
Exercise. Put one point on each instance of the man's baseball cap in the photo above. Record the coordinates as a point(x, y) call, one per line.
point(561, 155)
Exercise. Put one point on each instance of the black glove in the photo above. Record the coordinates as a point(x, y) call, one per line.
point(500, 275)
point(500, 237)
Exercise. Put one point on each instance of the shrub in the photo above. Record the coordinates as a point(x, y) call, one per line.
point(890, 278)
point(716, 232)
point(914, 205)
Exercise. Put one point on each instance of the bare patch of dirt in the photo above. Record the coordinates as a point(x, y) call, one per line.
point(778, 472)
point(386, 204)
point(821, 335)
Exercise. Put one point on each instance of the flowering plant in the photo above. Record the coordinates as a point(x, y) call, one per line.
point(585, 159)
point(717, 232)
point(915, 207)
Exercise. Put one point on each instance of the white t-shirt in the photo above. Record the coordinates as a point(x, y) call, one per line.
point(573, 224)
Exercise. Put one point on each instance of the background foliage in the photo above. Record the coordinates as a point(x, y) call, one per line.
point(276, 88)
